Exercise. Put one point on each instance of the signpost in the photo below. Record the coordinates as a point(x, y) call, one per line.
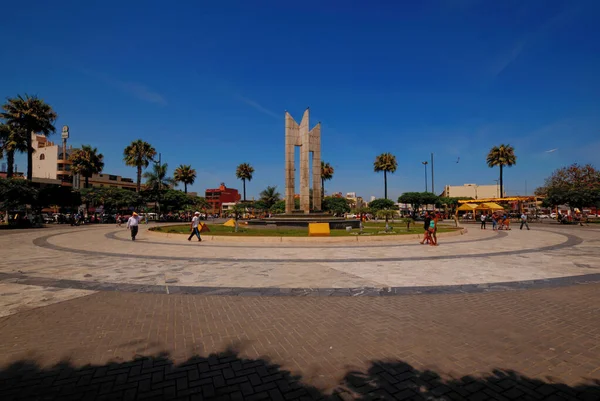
point(65, 136)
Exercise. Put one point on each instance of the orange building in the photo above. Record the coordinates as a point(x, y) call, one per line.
point(216, 197)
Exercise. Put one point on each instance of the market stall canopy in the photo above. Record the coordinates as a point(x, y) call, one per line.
point(469, 207)
point(509, 199)
point(489, 206)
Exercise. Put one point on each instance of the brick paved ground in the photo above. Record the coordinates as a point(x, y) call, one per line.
point(534, 344)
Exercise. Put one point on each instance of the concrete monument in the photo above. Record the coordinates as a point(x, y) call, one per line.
point(309, 141)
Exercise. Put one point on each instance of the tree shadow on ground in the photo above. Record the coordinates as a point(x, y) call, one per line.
point(227, 376)
point(400, 381)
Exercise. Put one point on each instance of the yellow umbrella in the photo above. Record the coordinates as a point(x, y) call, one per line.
point(490, 206)
point(468, 207)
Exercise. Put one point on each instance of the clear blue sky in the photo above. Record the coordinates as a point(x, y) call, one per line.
point(207, 84)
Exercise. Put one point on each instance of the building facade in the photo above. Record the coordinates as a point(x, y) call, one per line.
point(356, 201)
point(114, 181)
point(472, 191)
point(49, 159)
point(51, 162)
point(217, 196)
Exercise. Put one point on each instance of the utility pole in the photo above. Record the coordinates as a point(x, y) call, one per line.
point(432, 188)
point(425, 165)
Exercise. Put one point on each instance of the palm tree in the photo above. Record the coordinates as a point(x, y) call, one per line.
point(326, 174)
point(270, 196)
point(503, 155)
point(32, 115)
point(11, 140)
point(244, 172)
point(138, 154)
point(186, 174)
point(385, 162)
point(158, 178)
point(87, 162)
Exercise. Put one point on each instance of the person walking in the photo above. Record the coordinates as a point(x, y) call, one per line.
point(483, 217)
point(118, 220)
point(194, 227)
point(427, 234)
point(435, 217)
point(506, 222)
point(524, 221)
point(494, 221)
point(132, 225)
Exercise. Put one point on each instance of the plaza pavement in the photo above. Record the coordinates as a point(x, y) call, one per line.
point(89, 314)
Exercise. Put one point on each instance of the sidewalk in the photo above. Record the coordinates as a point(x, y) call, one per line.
point(114, 345)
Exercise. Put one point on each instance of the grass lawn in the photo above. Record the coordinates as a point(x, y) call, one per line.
point(218, 229)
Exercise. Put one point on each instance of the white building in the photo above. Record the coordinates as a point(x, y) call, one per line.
point(357, 201)
point(472, 191)
point(50, 163)
point(228, 206)
point(47, 159)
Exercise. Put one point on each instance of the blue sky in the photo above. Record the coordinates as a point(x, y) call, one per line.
point(207, 84)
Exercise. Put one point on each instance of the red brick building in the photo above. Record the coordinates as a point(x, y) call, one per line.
point(216, 197)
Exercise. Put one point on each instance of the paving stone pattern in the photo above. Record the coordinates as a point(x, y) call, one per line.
point(534, 344)
point(99, 259)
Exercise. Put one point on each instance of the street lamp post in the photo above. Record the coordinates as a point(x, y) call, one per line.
point(425, 163)
point(432, 187)
point(157, 201)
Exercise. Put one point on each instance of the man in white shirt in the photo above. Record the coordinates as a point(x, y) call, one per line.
point(524, 221)
point(132, 225)
point(194, 227)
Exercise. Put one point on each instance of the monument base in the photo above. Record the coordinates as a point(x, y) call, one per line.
point(302, 220)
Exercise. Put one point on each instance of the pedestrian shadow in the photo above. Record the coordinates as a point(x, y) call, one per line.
point(228, 376)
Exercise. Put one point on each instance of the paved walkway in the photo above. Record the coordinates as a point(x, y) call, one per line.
point(89, 314)
point(504, 345)
point(93, 258)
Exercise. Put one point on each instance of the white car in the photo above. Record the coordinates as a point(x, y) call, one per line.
point(544, 216)
point(351, 216)
point(553, 215)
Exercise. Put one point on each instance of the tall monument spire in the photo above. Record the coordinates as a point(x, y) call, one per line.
point(309, 141)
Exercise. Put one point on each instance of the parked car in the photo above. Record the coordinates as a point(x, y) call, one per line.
point(544, 216)
point(47, 218)
point(553, 215)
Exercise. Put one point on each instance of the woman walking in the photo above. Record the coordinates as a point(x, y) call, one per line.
point(427, 233)
point(433, 228)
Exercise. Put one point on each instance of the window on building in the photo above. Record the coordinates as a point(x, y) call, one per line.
point(42, 157)
point(112, 177)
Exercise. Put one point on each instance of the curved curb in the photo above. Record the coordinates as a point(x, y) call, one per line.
point(572, 240)
point(321, 292)
point(391, 238)
point(113, 236)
